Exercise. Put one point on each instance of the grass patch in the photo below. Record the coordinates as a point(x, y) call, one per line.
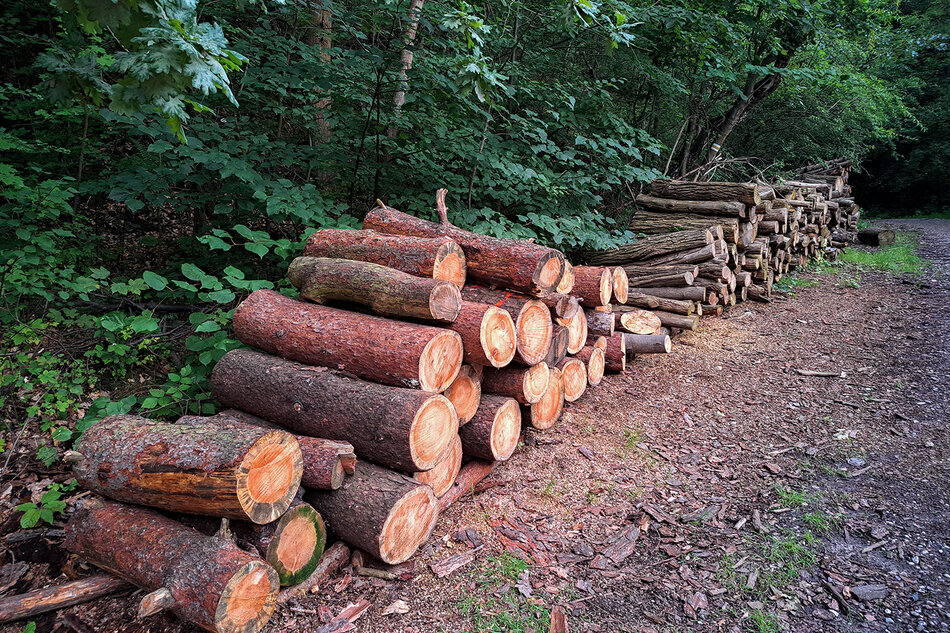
point(785, 557)
point(821, 522)
point(901, 257)
point(496, 606)
point(790, 283)
point(764, 622)
point(793, 498)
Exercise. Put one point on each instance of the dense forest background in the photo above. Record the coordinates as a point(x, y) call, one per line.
point(162, 158)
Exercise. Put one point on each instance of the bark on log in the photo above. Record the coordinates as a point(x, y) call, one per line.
point(441, 476)
point(214, 584)
point(615, 356)
point(652, 246)
point(471, 474)
point(687, 190)
point(488, 334)
point(435, 257)
point(39, 601)
point(593, 284)
point(465, 393)
point(636, 321)
point(876, 237)
point(593, 359)
point(759, 293)
point(647, 344)
point(546, 411)
point(621, 285)
point(640, 300)
point(494, 431)
point(653, 223)
point(559, 341)
point(562, 306)
point(576, 332)
point(650, 270)
point(600, 342)
point(532, 320)
point(600, 323)
point(377, 349)
point(727, 208)
point(191, 468)
point(574, 377)
point(402, 428)
point(686, 257)
point(525, 384)
point(687, 293)
point(385, 291)
point(379, 511)
point(678, 321)
point(515, 264)
point(669, 305)
point(641, 282)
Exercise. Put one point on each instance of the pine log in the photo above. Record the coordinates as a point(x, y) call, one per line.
point(488, 334)
point(525, 384)
point(379, 511)
point(727, 208)
point(687, 190)
point(213, 583)
point(441, 476)
point(694, 256)
point(435, 257)
point(687, 293)
point(405, 429)
point(593, 359)
point(637, 270)
point(574, 377)
point(471, 474)
point(647, 344)
point(494, 431)
point(600, 323)
point(876, 237)
point(593, 284)
point(653, 223)
point(600, 342)
point(669, 305)
point(33, 603)
point(641, 282)
point(615, 356)
point(562, 306)
point(637, 321)
point(191, 468)
point(576, 332)
point(652, 246)
point(377, 349)
point(566, 285)
point(465, 393)
point(332, 560)
point(678, 321)
point(546, 411)
point(621, 285)
point(514, 264)
point(532, 320)
point(559, 342)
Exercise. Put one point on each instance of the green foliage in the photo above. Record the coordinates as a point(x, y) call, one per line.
point(900, 257)
point(50, 506)
point(496, 606)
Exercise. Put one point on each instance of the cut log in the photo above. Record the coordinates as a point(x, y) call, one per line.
point(653, 223)
point(593, 284)
point(646, 270)
point(728, 208)
point(514, 264)
point(647, 344)
point(712, 310)
point(546, 411)
point(435, 257)
point(600, 323)
point(688, 190)
point(636, 321)
point(525, 384)
point(669, 305)
point(559, 342)
point(488, 334)
point(494, 431)
point(374, 348)
point(717, 269)
point(640, 300)
point(694, 256)
point(759, 293)
point(687, 293)
point(621, 285)
point(574, 377)
point(576, 332)
point(465, 393)
point(615, 356)
point(213, 583)
point(405, 429)
point(562, 306)
point(678, 321)
point(471, 474)
point(593, 359)
point(441, 476)
point(385, 291)
point(600, 342)
point(39, 601)
point(532, 320)
point(333, 559)
point(248, 474)
point(640, 282)
point(566, 285)
point(379, 511)
point(652, 246)
point(876, 237)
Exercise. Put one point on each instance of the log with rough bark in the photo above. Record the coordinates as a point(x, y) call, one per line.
point(695, 256)
point(687, 293)
point(640, 282)
point(661, 303)
point(688, 190)
point(593, 284)
point(379, 511)
point(514, 264)
point(532, 320)
point(717, 269)
point(652, 246)
point(600, 342)
point(385, 291)
point(546, 411)
point(600, 323)
point(647, 344)
point(559, 342)
point(637, 321)
point(621, 285)
point(201, 468)
point(593, 359)
point(615, 355)
point(441, 476)
point(435, 257)
point(876, 237)
point(566, 285)
point(210, 582)
point(647, 270)
point(489, 337)
point(653, 223)
point(465, 393)
point(374, 348)
point(562, 306)
point(679, 321)
point(33, 603)
point(640, 300)
point(727, 208)
point(759, 293)
point(406, 429)
point(576, 332)
point(525, 384)
point(493, 432)
point(471, 474)
point(574, 377)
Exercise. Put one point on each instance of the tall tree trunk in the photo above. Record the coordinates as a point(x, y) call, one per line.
point(405, 57)
point(320, 36)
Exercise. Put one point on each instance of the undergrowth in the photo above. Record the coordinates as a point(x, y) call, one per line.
point(496, 605)
point(900, 257)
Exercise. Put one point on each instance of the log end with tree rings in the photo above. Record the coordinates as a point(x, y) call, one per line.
point(445, 302)
point(506, 430)
point(639, 322)
point(606, 287)
point(574, 377)
point(621, 285)
point(449, 264)
point(433, 430)
point(465, 393)
point(549, 271)
point(566, 284)
point(536, 382)
point(494, 431)
point(598, 342)
point(248, 600)
point(534, 331)
point(440, 362)
point(498, 337)
point(441, 476)
point(593, 358)
point(546, 411)
point(269, 475)
point(408, 525)
point(297, 545)
point(576, 331)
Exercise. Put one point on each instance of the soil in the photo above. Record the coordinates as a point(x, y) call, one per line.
point(713, 489)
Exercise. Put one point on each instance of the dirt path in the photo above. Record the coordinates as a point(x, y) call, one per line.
point(716, 489)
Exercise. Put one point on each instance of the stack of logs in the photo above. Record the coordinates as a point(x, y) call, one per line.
point(417, 347)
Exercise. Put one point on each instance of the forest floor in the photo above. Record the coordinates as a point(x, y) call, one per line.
point(714, 489)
